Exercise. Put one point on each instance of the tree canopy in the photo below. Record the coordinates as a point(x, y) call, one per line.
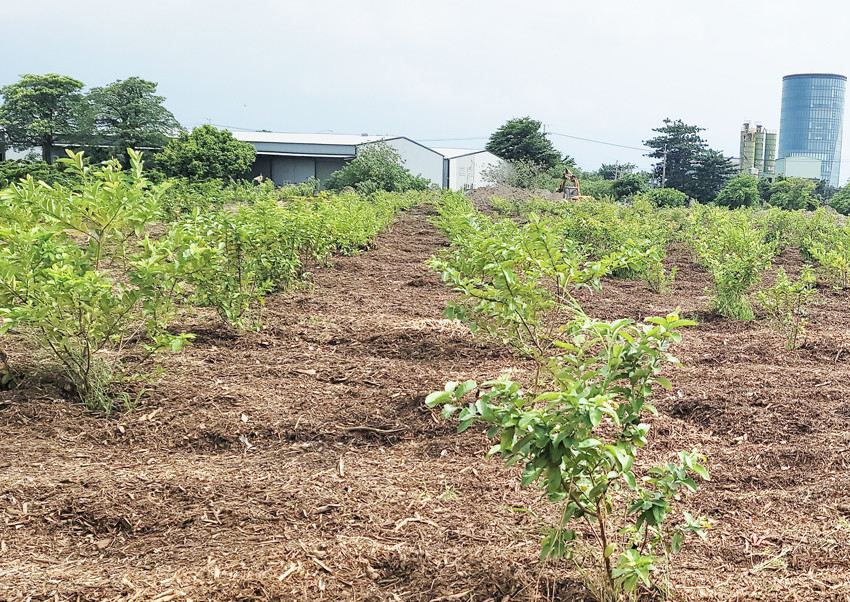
point(38, 110)
point(206, 154)
point(840, 201)
point(629, 185)
point(691, 167)
point(613, 171)
point(521, 139)
point(129, 114)
point(740, 191)
point(377, 166)
point(793, 193)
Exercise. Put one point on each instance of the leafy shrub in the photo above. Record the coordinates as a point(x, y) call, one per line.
point(598, 189)
point(667, 197)
point(377, 166)
point(179, 197)
point(740, 191)
point(779, 227)
point(793, 194)
point(246, 251)
point(13, 170)
point(833, 256)
point(840, 201)
point(579, 433)
point(245, 255)
point(309, 187)
point(81, 277)
point(520, 174)
point(734, 253)
point(628, 186)
point(653, 272)
point(785, 302)
point(206, 154)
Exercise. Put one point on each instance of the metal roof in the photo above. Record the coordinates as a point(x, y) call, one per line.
point(283, 138)
point(453, 153)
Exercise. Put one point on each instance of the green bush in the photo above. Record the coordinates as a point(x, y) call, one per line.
point(576, 426)
point(81, 277)
point(734, 253)
point(628, 186)
point(206, 154)
point(740, 191)
point(180, 197)
point(785, 302)
point(14, 170)
point(598, 189)
point(832, 253)
point(521, 173)
point(793, 194)
point(248, 250)
point(377, 166)
point(840, 201)
point(667, 197)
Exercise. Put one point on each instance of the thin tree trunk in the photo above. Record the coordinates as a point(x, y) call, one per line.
point(47, 149)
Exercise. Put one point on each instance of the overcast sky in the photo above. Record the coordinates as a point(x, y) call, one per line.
point(448, 72)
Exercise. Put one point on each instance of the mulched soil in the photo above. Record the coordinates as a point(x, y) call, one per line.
point(300, 462)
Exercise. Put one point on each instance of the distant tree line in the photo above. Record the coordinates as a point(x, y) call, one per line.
point(53, 110)
point(50, 110)
point(687, 168)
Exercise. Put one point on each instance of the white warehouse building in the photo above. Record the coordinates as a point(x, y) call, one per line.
point(294, 158)
point(465, 168)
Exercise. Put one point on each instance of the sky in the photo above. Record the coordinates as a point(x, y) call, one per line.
point(445, 72)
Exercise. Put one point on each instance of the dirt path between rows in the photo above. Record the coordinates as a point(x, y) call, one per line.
point(300, 463)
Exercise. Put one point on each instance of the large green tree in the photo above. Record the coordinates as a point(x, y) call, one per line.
point(521, 139)
point(41, 110)
point(686, 163)
point(206, 154)
point(711, 173)
point(129, 114)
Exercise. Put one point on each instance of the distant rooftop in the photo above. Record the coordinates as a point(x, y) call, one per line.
point(283, 138)
point(823, 75)
point(452, 153)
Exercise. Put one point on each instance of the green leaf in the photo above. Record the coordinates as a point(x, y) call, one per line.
point(701, 471)
point(664, 382)
point(464, 388)
point(437, 397)
point(676, 542)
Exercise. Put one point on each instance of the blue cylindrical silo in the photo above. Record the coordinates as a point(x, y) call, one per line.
point(812, 120)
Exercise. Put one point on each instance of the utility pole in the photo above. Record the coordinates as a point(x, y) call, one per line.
point(664, 169)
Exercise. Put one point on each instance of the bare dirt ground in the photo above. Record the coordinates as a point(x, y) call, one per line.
point(300, 462)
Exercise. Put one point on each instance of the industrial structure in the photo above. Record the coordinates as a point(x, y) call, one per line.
point(294, 158)
point(812, 124)
point(758, 151)
point(466, 169)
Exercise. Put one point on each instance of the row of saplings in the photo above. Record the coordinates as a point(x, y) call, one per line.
point(577, 427)
point(734, 247)
point(93, 275)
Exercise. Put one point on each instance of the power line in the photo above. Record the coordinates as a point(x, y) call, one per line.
point(452, 139)
point(643, 149)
